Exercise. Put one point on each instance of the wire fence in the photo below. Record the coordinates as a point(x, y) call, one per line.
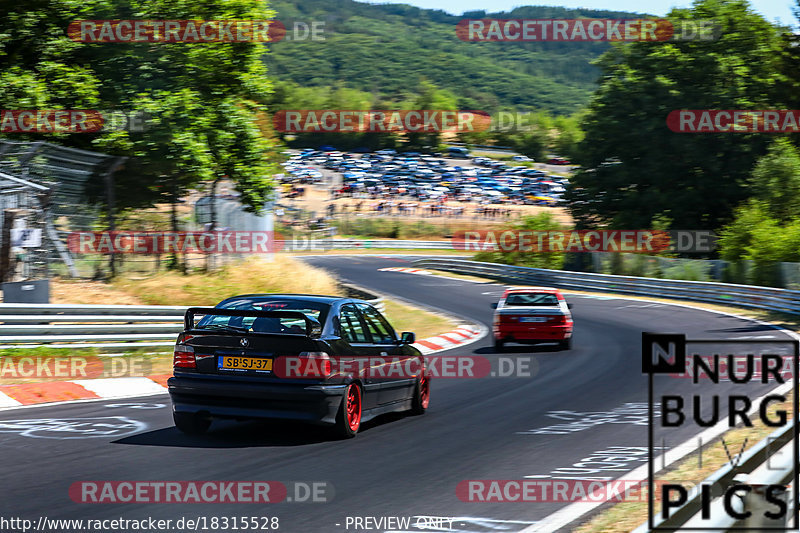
point(781, 274)
point(43, 197)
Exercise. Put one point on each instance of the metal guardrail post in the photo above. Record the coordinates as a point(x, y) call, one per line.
point(756, 504)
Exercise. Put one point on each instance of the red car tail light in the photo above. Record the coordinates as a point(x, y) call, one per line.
point(508, 319)
point(314, 365)
point(560, 319)
point(183, 357)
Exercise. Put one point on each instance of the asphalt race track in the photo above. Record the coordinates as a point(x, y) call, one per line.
point(398, 466)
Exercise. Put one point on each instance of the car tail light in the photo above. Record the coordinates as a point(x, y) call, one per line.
point(560, 319)
point(314, 365)
point(183, 357)
point(505, 319)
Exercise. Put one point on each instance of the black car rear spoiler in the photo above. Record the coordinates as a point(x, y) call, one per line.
point(313, 327)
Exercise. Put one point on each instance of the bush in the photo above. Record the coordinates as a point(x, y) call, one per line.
point(540, 222)
point(758, 236)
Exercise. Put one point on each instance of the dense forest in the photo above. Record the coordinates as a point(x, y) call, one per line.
point(390, 50)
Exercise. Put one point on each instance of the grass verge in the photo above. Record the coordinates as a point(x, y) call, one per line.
point(423, 323)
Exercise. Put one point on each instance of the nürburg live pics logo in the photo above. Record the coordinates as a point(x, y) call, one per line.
point(739, 392)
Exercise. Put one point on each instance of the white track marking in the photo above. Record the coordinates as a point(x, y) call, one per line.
point(120, 387)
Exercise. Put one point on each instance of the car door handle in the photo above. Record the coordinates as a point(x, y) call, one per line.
point(384, 354)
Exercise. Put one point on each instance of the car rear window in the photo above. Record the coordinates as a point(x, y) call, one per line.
point(532, 298)
point(316, 310)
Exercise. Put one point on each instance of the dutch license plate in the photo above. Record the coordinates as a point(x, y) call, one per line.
point(228, 362)
point(533, 319)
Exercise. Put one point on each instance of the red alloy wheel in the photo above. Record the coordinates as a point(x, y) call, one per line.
point(353, 407)
point(424, 391)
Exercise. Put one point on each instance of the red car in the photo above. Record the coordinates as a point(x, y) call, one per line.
point(532, 315)
point(558, 161)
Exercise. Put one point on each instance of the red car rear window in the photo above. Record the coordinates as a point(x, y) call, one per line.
point(532, 298)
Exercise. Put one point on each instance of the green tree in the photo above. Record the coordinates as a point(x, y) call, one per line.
point(568, 137)
point(757, 236)
point(391, 50)
point(533, 144)
point(736, 237)
point(201, 97)
point(540, 222)
point(633, 167)
point(429, 97)
point(776, 180)
point(531, 133)
point(290, 96)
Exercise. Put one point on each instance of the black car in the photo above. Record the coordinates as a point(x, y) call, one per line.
point(327, 360)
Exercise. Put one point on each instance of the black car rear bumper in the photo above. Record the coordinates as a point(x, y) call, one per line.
point(224, 399)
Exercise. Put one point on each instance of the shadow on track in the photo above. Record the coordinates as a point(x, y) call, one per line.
point(511, 349)
point(745, 329)
point(251, 434)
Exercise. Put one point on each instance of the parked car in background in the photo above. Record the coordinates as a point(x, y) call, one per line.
point(417, 175)
point(458, 152)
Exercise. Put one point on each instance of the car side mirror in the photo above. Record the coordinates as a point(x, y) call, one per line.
point(569, 306)
point(407, 337)
point(494, 305)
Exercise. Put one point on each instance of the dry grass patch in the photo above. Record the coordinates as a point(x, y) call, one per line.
point(423, 323)
point(255, 275)
point(80, 292)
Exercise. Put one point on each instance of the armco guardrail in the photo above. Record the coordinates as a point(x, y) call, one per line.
point(767, 298)
point(83, 326)
point(95, 326)
point(302, 244)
